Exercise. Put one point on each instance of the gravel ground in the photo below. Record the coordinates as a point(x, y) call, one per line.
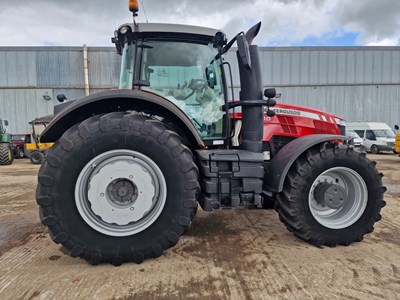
point(227, 254)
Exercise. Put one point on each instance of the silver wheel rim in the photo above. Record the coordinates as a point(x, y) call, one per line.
point(355, 202)
point(120, 192)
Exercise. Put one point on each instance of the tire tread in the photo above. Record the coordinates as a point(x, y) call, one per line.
point(138, 124)
point(289, 206)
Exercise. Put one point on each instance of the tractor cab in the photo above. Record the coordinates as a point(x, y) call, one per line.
point(177, 62)
point(3, 124)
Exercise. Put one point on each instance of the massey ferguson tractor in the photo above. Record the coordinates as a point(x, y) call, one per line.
point(130, 166)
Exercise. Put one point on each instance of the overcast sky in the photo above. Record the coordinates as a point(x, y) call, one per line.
point(285, 22)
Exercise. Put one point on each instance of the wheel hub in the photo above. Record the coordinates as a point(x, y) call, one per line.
point(331, 195)
point(120, 192)
point(338, 197)
point(111, 191)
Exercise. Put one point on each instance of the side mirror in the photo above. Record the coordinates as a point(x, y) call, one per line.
point(396, 127)
point(61, 98)
point(117, 43)
point(270, 93)
point(5, 122)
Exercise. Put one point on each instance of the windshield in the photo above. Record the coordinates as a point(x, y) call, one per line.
point(353, 134)
point(17, 138)
point(181, 72)
point(384, 133)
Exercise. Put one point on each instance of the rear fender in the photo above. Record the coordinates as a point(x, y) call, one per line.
point(275, 173)
point(119, 100)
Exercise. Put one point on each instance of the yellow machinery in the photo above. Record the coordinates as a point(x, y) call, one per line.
point(36, 150)
point(397, 142)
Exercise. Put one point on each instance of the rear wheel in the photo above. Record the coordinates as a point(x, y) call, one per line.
point(332, 196)
point(118, 188)
point(374, 149)
point(6, 156)
point(36, 157)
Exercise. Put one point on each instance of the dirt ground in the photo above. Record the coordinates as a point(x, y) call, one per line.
point(228, 254)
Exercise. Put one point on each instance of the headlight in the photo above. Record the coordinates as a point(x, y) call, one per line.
point(124, 29)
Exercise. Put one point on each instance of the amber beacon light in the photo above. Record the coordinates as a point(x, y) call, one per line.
point(134, 6)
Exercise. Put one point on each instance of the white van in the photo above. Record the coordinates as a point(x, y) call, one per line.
point(376, 136)
point(357, 140)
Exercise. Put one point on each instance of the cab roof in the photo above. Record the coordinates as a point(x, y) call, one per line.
point(172, 28)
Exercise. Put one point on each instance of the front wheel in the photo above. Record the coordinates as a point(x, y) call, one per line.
point(332, 196)
point(118, 188)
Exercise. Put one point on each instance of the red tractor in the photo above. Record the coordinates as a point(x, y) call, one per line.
point(129, 167)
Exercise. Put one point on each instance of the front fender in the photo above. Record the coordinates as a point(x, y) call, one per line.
point(118, 100)
point(275, 173)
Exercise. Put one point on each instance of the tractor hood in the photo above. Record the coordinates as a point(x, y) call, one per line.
point(307, 112)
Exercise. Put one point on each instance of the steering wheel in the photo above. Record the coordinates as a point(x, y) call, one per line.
point(194, 85)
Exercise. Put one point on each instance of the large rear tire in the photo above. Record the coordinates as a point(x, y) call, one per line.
point(6, 155)
point(332, 196)
point(118, 188)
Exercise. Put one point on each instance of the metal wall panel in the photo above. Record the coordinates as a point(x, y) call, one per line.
point(20, 106)
point(104, 68)
point(61, 68)
point(17, 68)
point(330, 65)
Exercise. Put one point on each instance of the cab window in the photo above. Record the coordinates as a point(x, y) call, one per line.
point(360, 133)
point(186, 74)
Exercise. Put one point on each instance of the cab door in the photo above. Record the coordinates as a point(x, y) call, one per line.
point(369, 139)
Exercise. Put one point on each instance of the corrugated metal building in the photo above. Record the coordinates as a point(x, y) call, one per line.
point(357, 83)
point(28, 75)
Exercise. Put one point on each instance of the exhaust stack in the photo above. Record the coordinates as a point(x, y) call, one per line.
point(251, 91)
